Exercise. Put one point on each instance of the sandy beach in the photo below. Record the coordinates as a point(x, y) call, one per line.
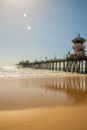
point(49, 101)
point(62, 118)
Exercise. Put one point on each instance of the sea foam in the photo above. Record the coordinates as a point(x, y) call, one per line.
point(14, 72)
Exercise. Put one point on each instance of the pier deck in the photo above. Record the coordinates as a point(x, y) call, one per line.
point(69, 64)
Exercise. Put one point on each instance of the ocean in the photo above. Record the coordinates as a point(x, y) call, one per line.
point(15, 72)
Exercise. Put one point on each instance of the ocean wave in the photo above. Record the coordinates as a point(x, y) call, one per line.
point(14, 72)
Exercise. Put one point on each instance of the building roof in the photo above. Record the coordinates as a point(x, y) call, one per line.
point(79, 40)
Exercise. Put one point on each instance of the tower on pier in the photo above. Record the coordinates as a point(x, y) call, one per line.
point(79, 48)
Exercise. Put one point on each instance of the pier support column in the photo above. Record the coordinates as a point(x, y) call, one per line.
point(86, 66)
point(55, 65)
point(52, 65)
point(78, 66)
point(70, 66)
point(82, 66)
point(63, 65)
point(49, 65)
point(59, 65)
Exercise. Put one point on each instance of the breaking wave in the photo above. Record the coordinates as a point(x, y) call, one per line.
point(14, 72)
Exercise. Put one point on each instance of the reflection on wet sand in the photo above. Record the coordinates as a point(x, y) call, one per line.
point(74, 87)
point(19, 99)
point(39, 92)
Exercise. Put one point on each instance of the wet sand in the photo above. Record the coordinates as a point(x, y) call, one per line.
point(49, 103)
point(53, 118)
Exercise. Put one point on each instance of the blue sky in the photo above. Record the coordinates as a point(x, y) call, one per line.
point(34, 29)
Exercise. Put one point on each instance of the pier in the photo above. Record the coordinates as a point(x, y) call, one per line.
point(75, 62)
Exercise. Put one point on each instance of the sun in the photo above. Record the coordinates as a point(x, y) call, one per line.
point(25, 15)
point(29, 28)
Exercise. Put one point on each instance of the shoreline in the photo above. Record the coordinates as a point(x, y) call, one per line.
point(43, 74)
